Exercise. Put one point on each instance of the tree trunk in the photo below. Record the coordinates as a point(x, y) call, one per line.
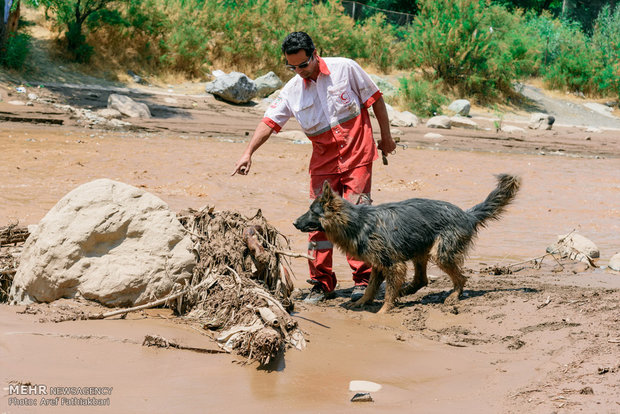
point(8, 20)
point(567, 8)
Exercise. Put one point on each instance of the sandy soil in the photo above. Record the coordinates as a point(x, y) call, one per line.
point(543, 339)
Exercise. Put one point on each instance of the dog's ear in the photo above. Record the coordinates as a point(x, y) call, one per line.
point(327, 193)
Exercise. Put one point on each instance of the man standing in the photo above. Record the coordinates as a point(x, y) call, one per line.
point(330, 99)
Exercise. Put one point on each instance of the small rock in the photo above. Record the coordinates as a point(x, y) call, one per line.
point(109, 113)
point(614, 262)
point(511, 129)
point(441, 122)
point(128, 107)
point(17, 103)
point(362, 397)
point(267, 84)
point(570, 245)
point(171, 100)
point(594, 129)
point(32, 96)
point(462, 122)
point(586, 391)
point(432, 135)
point(404, 119)
point(364, 386)
point(396, 132)
point(460, 107)
point(541, 121)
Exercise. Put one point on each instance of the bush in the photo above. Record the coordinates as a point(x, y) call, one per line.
point(421, 96)
point(606, 41)
point(16, 50)
point(567, 58)
point(476, 49)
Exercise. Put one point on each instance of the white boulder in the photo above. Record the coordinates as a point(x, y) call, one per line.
point(267, 84)
point(440, 121)
point(459, 121)
point(614, 262)
point(572, 244)
point(104, 241)
point(128, 107)
point(233, 87)
point(460, 107)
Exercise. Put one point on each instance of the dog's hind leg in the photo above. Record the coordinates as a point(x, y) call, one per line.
point(395, 277)
point(458, 280)
point(376, 278)
point(419, 279)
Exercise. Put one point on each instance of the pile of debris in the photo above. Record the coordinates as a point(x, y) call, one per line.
point(241, 284)
point(12, 238)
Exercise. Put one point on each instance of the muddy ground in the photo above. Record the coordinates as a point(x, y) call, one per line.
point(543, 339)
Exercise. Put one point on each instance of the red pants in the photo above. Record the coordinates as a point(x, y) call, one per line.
point(353, 185)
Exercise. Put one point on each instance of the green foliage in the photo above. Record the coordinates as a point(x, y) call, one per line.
point(421, 96)
point(16, 50)
point(476, 49)
point(606, 41)
point(571, 60)
point(71, 16)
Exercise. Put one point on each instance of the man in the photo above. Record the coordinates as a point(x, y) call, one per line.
point(330, 99)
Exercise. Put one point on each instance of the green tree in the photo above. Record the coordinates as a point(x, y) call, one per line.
point(72, 16)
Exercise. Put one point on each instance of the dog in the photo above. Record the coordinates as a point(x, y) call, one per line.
point(386, 236)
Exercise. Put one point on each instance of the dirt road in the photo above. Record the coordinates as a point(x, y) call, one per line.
point(543, 339)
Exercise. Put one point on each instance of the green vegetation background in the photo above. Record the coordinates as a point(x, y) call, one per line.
point(464, 48)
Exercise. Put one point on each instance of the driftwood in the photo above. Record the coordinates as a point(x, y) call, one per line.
point(12, 234)
point(207, 283)
point(161, 342)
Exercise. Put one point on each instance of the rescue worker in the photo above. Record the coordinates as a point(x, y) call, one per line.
point(330, 98)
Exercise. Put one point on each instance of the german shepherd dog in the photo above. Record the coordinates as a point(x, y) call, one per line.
point(387, 235)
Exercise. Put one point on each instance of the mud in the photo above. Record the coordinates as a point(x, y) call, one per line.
point(537, 340)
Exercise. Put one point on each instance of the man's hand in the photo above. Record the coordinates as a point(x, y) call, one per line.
point(243, 165)
point(387, 145)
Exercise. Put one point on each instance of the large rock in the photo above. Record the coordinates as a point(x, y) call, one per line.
point(440, 121)
point(459, 121)
point(460, 107)
point(404, 119)
point(614, 262)
point(104, 241)
point(539, 120)
point(572, 245)
point(267, 84)
point(128, 107)
point(234, 87)
point(387, 89)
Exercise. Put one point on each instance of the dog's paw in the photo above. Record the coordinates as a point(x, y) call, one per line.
point(358, 304)
point(453, 299)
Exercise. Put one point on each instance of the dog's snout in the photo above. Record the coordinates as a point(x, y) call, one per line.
point(296, 224)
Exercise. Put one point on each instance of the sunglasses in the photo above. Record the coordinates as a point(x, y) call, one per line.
point(301, 65)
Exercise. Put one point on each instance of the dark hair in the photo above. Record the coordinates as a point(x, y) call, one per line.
point(297, 41)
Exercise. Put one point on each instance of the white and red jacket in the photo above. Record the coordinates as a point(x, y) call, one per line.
point(333, 112)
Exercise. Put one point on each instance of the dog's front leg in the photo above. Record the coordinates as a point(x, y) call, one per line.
point(394, 279)
point(376, 278)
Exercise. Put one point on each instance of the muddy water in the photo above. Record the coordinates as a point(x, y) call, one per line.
point(41, 165)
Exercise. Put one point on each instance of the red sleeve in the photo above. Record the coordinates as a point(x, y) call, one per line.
point(372, 99)
point(270, 123)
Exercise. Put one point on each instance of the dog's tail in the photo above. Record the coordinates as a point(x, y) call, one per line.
point(497, 200)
